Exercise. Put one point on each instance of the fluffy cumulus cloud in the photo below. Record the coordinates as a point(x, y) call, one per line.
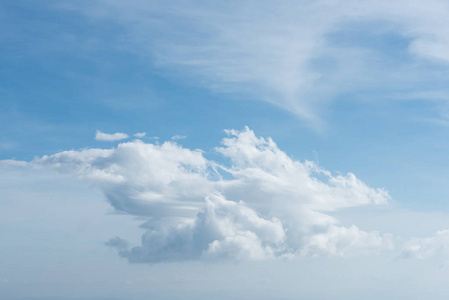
point(110, 137)
point(260, 205)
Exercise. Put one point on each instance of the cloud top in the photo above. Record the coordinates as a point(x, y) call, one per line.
point(261, 205)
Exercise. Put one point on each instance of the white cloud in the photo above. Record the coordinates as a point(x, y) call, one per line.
point(294, 54)
point(223, 229)
point(13, 163)
point(140, 178)
point(140, 134)
point(268, 206)
point(342, 241)
point(101, 136)
point(178, 137)
point(437, 245)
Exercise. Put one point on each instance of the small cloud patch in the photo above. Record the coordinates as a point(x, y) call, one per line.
point(110, 137)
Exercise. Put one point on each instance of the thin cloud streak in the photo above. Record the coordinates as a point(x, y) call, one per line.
point(286, 53)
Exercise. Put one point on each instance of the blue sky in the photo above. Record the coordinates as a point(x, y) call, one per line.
point(340, 87)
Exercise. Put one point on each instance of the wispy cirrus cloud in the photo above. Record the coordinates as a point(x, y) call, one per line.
point(297, 55)
point(263, 205)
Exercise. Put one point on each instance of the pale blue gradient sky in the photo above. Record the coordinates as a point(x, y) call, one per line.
point(354, 86)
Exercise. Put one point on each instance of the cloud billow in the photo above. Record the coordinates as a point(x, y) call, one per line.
point(262, 205)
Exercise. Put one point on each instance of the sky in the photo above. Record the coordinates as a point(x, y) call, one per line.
point(226, 150)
